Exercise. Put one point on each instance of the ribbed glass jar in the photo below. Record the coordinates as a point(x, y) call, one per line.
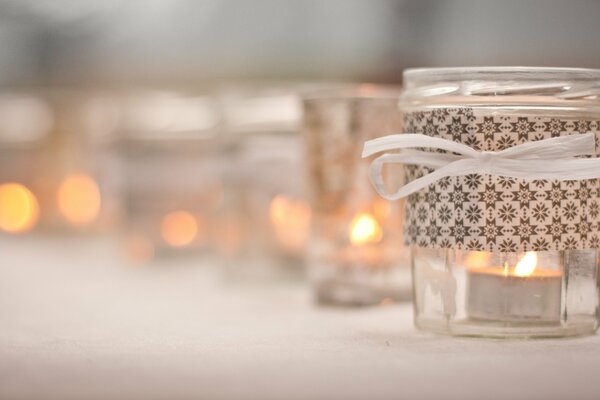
point(497, 256)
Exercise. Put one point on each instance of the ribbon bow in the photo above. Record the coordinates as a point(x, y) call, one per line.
point(548, 159)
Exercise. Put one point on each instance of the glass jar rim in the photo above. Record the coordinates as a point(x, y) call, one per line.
point(362, 91)
point(419, 76)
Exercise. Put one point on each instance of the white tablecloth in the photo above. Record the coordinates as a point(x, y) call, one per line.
point(75, 323)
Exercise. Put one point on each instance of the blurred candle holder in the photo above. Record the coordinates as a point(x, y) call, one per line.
point(26, 146)
point(356, 253)
point(172, 189)
point(266, 216)
point(56, 174)
point(86, 198)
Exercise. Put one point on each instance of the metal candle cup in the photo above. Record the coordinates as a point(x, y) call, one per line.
point(497, 294)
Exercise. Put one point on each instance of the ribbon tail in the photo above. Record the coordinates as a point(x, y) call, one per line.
point(563, 169)
point(459, 167)
point(414, 140)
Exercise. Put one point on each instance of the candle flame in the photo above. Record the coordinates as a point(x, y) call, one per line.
point(179, 228)
point(364, 229)
point(527, 264)
point(79, 199)
point(19, 210)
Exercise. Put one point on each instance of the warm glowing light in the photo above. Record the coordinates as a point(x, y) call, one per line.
point(364, 229)
point(527, 264)
point(19, 210)
point(290, 220)
point(79, 199)
point(179, 228)
point(477, 259)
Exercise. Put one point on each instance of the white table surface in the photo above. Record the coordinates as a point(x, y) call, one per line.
point(76, 323)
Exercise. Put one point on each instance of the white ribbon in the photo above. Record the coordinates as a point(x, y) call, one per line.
point(548, 159)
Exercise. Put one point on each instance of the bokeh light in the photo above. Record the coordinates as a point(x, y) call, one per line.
point(79, 199)
point(19, 210)
point(364, 229)
point(179, 228)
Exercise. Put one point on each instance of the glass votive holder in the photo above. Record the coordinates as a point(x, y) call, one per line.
point(356, 252)
point(266, 216)
point(26, 162)
point(507, 248)
point(57, 172)
point(172, 188)
point(85, 182)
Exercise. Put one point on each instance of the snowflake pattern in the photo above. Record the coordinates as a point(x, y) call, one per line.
point(483, 212)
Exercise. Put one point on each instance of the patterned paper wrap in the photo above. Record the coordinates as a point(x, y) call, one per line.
point(492, 213)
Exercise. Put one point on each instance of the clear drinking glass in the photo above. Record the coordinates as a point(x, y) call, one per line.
point(496, 256)
point(356, 254)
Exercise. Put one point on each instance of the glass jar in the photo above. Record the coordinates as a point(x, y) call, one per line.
point(27, 162)
point(498, 256)
point(265, 216)
point(57, 169)
point(172, 189)
point(86, 183)
point(356, 256)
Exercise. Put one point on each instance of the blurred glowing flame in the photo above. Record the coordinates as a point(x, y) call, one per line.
point(291, 221)
point(477, 259)
point(79, 199)
point(364, 229)
point(19, 210)
point(527, 264)
point(179, 228)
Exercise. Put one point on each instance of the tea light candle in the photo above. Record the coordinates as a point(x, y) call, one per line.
point(518, 294)
point(364, 250)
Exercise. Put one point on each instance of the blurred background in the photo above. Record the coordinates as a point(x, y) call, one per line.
point(155, 154)
point(184, 42)
point(174, 129)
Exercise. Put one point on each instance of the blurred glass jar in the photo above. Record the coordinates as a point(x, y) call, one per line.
point(265, 218)
point(57, 173)
point(26, 124)
point(172, 188)
point(356, 253)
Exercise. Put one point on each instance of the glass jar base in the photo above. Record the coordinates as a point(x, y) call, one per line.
point(509, 330)
point(352, 294)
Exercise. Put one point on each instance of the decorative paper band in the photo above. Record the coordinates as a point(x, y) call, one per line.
point(483, 212)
